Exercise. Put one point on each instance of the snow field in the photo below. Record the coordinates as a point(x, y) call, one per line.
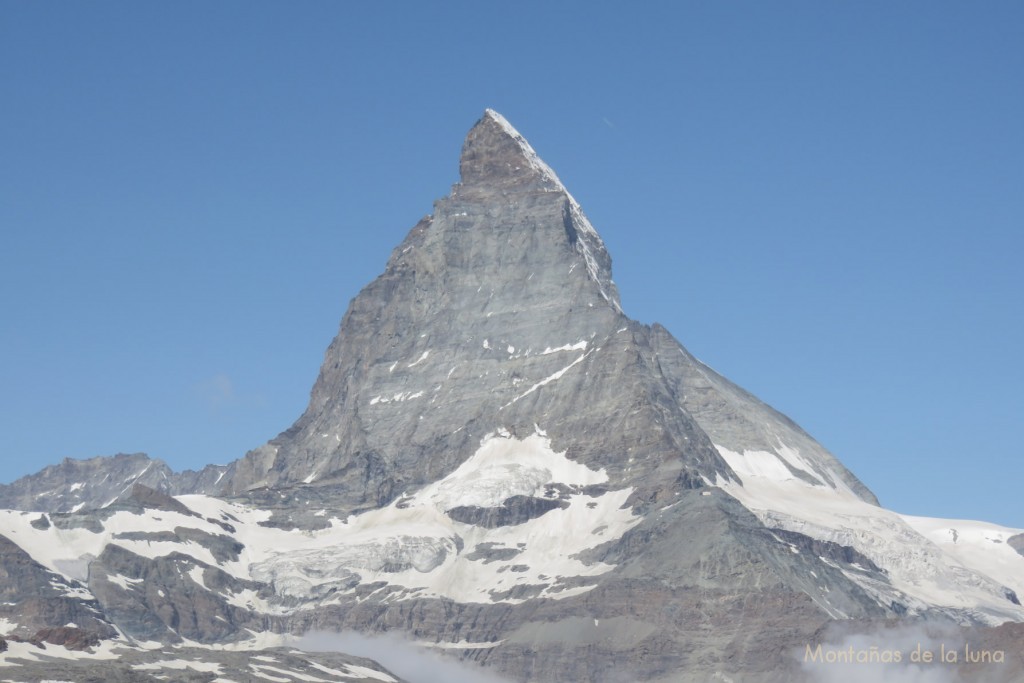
point(926, 565)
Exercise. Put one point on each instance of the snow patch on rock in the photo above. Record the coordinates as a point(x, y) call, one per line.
point(412, 544)
point(926, 567)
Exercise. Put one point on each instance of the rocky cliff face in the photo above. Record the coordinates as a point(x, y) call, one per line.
point(497, 462)
point(499, 311)
point(95, 483)
point(34, 599)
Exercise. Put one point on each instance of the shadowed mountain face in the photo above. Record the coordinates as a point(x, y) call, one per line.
point(499, 463)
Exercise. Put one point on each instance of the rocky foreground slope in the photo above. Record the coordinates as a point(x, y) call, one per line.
point(499, 464)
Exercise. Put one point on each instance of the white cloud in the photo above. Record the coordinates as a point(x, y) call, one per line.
point(218, 391)
point(868, 647)
point(219, 394)
point(401, 657)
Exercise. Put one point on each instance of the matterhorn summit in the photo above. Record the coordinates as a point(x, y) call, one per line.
point(498, 464)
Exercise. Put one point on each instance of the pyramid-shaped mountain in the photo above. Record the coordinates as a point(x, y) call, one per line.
point(499, 312)
point(498, 463)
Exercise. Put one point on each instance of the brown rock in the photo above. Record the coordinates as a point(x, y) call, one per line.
point(70, 637)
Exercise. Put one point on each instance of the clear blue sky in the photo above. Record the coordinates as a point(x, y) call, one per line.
point(823, 201)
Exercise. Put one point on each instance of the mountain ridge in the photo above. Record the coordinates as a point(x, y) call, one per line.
point(496, 460)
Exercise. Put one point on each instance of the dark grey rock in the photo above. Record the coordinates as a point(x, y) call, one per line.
point(91, 521)
point(36, 599)
point(223, 548)
point(1017, 543)
point(158, 599)
point(843, 554)
point(514, 510)
point(143, 497)
point(491, 552)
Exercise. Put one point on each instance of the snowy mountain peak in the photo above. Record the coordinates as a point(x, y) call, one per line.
point(497, 461)
point(495, 153)
point(494, 150)
point(449, 342)
point(497, 158)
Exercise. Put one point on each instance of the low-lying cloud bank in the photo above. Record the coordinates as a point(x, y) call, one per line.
point(909, 654)
point(927, 653)
point(412, 662)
